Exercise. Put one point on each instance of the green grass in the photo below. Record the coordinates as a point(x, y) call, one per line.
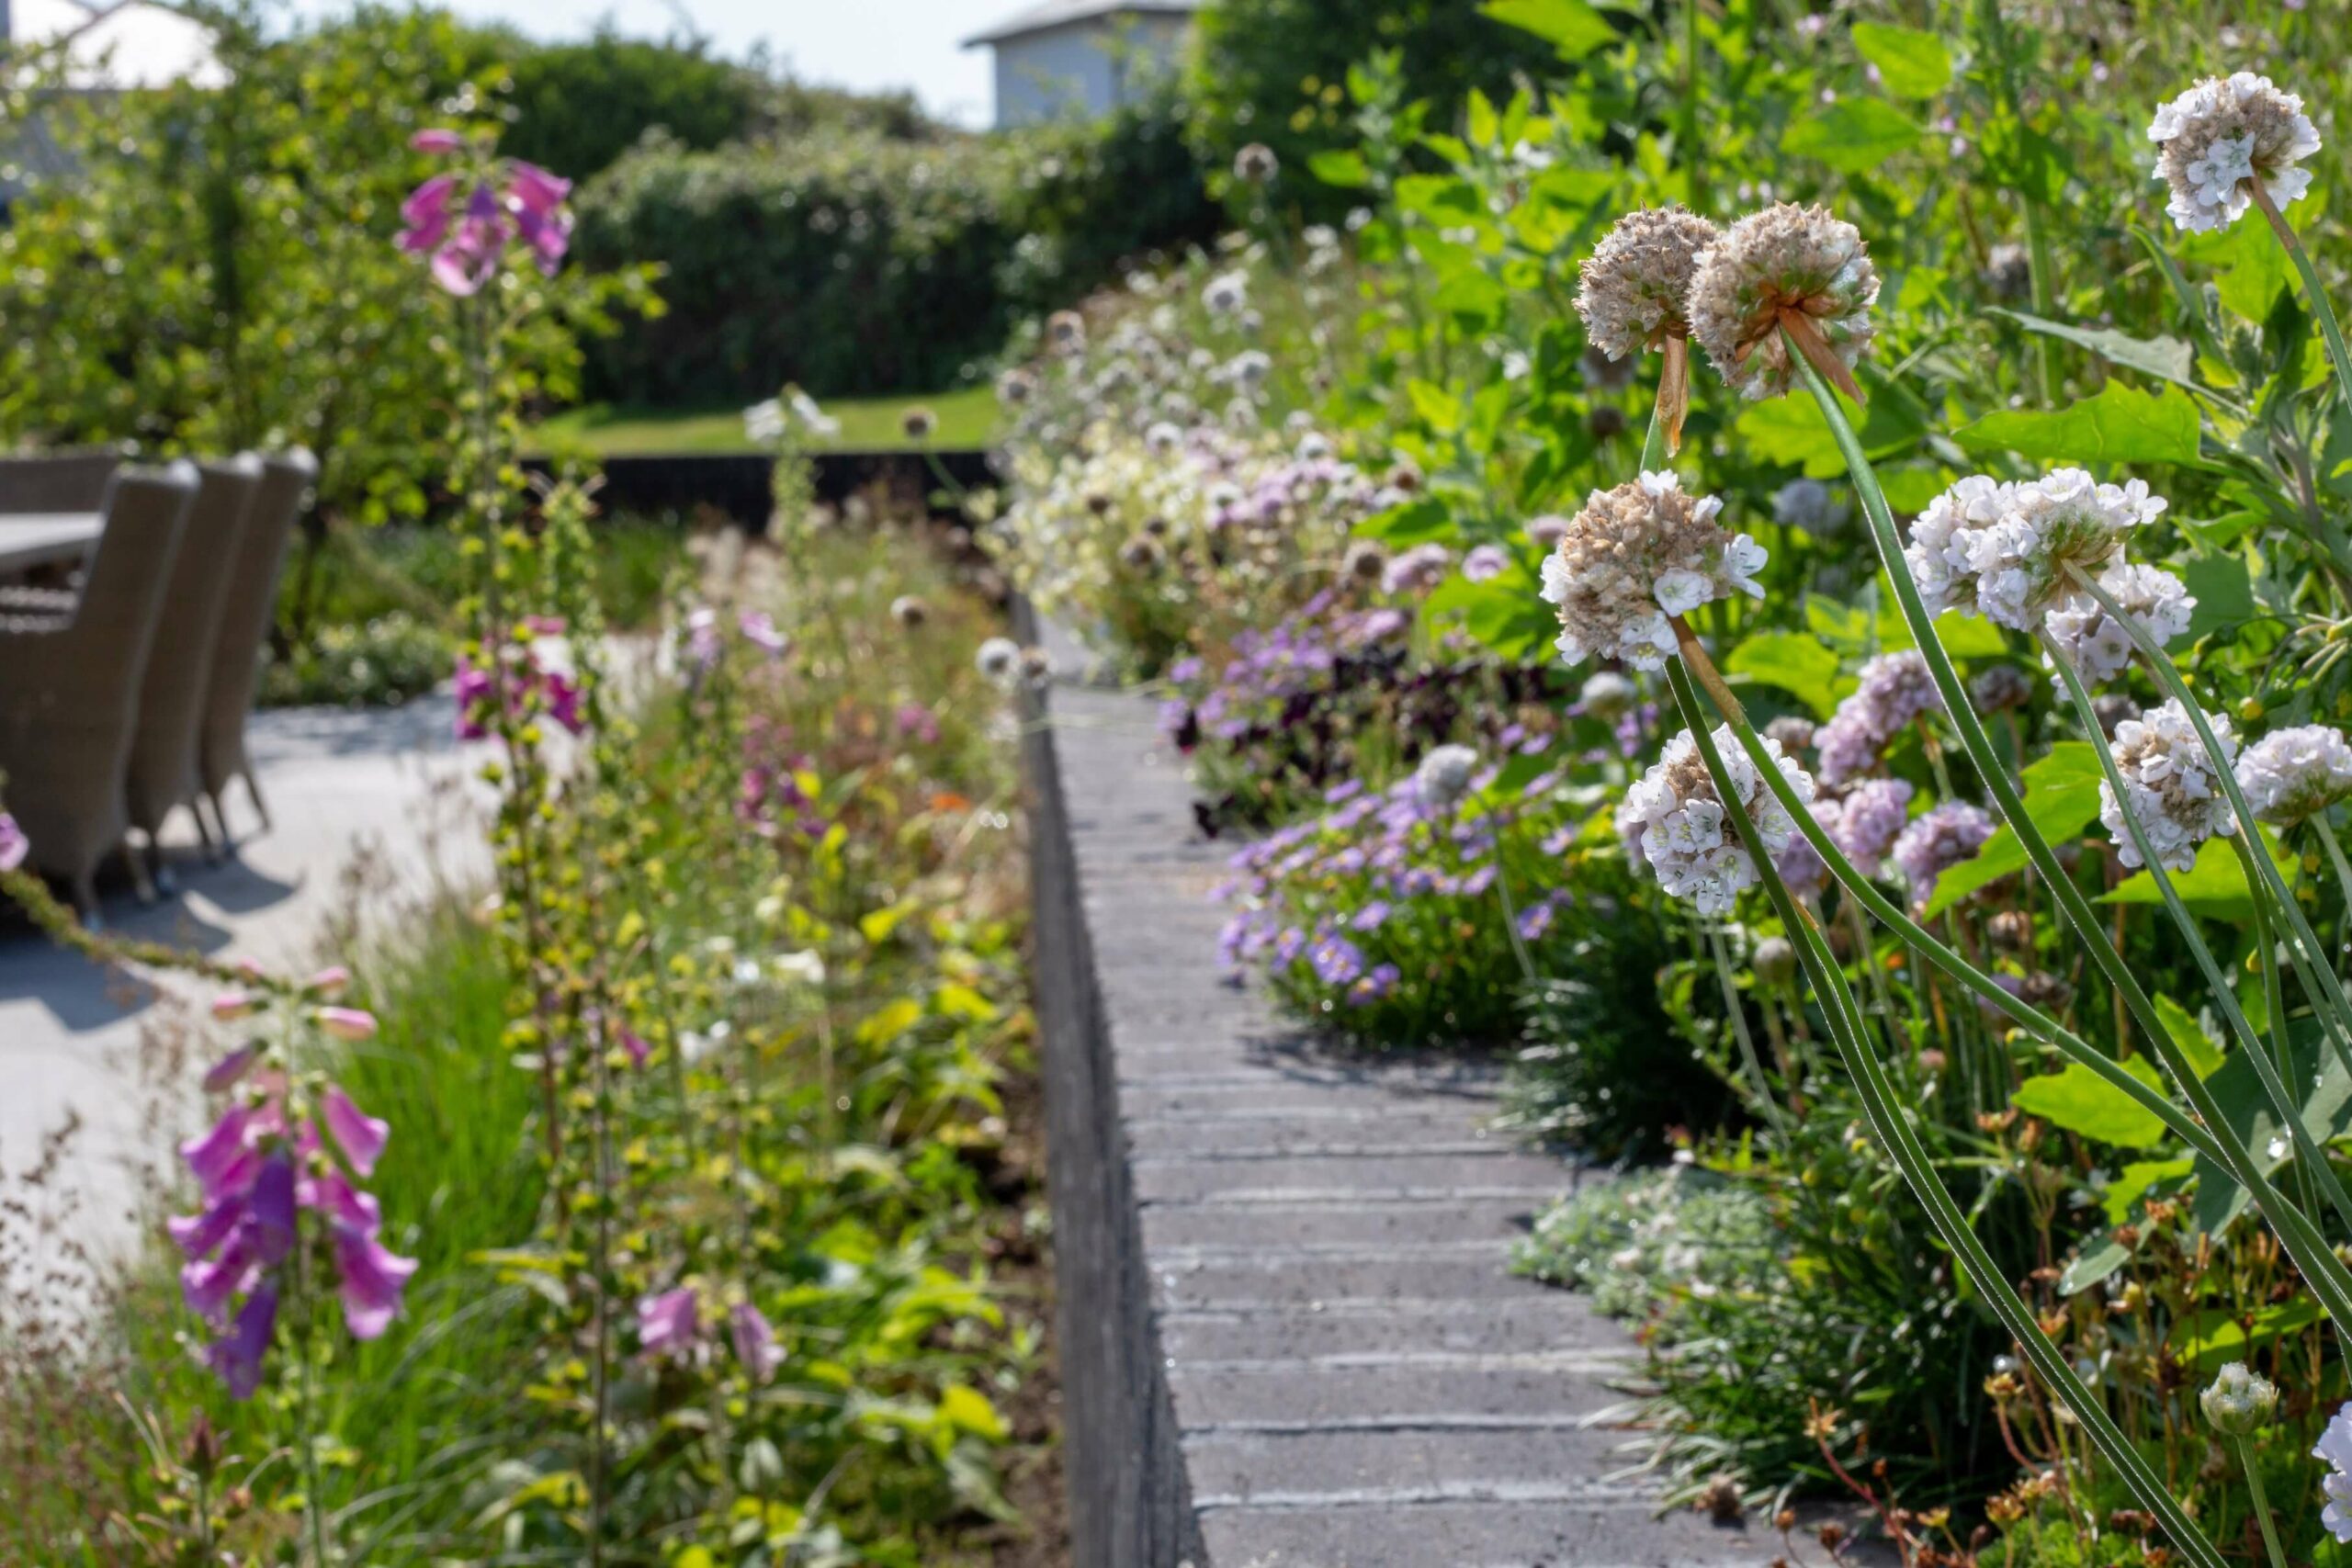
point(967, 419)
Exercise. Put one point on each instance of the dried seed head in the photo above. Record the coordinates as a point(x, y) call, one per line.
point(1797, 266)
point(1636, 283)
point(1635, 555)
point(1255, 164)
point(2215, 139)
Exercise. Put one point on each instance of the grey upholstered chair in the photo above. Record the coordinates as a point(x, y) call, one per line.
point(69, 687)
point(249, 606)
point(163, 768)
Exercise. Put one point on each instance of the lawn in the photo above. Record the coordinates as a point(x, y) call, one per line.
point(967, 419)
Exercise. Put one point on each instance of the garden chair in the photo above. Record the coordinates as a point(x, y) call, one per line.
point(164, 749)
point(57, 481)
point(69, 686)
point(249, 606)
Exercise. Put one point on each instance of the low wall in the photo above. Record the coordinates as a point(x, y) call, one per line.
point(739, 484)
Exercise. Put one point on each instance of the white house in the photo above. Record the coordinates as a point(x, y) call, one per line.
point(1082, 57)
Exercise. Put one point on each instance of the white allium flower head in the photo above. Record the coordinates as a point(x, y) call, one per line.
point(2082, 632)
point(1636, 284)
point(1673, 819)
point(2223, 134)
point(2174, 794)
point(1163, 438)
point(1635, 555)
point(2008, 551)
point(1226, 293)
point(764, 422)
point(999, 660)
point(1801, 264)
point(2334, 1446)
point(1444, 774)
point(2291, 775)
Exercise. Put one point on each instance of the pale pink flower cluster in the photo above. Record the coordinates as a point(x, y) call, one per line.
point(1673, 819)
point(2174, 792)
point(2290, 775)
point(2215, 139)
point(1636, 556)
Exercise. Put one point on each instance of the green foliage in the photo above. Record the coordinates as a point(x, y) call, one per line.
point(377, 662)
point(577, 106)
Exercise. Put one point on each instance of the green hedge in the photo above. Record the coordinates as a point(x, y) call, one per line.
point(854, 262)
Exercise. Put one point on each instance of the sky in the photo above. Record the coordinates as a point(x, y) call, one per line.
point(866, 44)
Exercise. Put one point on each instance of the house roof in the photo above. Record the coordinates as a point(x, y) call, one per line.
point(115, 43)
point(1051, 14)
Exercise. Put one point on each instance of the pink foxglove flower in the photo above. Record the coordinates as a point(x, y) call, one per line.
point(329, 983)
point(759, 630)
point(346, 1024)
point(437, 139)
point(230, 1005)
point(14, 847)
point(371, 1280)
point(238, 1356)
point(755, 1344)
point(221, 1159)
point(229, 1069)
point(359, 1136)
point(666, 1323)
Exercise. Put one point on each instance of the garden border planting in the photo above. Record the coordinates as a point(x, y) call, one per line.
point(1288, 1336)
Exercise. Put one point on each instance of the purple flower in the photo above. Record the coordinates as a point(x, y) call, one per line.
point(372, 1279)
point(473, 689)
point(1895, 689)
point(437, 139)
point(1485, 563)
point(665, 1323)
point(635, 1044)
point(1374, 986)
point(198, 1234)
point(755, 1344)
point(466, 259)
point(1416, 570)
point(14, 846)
point(360, 1136)
point(916, 722)
point(208, 1285)
point(1939, 840)
point(1370, 918)
point(231, 1067)
point(1535, 920)
point(425, 214)
point(222, 1159)
point(237, 1356)
point(1868, 821)
point(269, 1211)
point(563, 699)
point(759, 630)
point(1337, 960)
point(331, 1194)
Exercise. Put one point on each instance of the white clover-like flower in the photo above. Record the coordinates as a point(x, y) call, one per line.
point(764, 422)
point(2081, 632)
point(2290, 775)
point(1801, 267)
point(1635, 555)
point(2010, 552)
point(2175, 794)
point(1636, 287)
point(1444, 774)
point(2215, 139)
point(1673, 819)
point(2334, 1446)
point(999, 660)
point(1226, 293)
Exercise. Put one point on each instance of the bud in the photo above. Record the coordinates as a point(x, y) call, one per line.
point(1775, 962)
point(2239, 1401)
point(1256, 164)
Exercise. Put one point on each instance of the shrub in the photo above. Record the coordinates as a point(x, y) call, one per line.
point(386, 660)
point(577, 106)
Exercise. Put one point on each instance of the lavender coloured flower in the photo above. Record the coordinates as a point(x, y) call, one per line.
point(1416, 571)
point(1869, 817)
point(1941, 838)
point(1895, 689)
point(1485, 563)
point(754, 1341)
point(359, 1136)
point(370, 1279)
point(237, 1356)
point(666, 1323)
point(14, 846)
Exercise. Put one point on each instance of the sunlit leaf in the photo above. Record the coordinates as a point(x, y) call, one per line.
point(2118, 424)
point(1911, 63)
point(2079, 1100)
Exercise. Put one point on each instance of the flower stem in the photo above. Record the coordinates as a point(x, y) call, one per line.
point(1894, 1131)
point(2329, 328)
point(2335, 858)
point(2282, 1099)
point(2329, 1280)
point(1738, 1016)
point(2261, 1501)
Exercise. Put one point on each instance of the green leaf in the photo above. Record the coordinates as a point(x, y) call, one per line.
point(2093, 1265)
point(2061, 801)
point(2246, 1111)
point(2081, 1101)
point(1792, 431)
point(2117, 426)
point(1415, 521)
point(1343, 167)
point(2140, 1180)
point(2167, 358)
point(1798, 664)
point(2215, 886)
point(1573, 25)
point(1434, 406)
point(969, 1410)
point(2204, 1057)
point(1853, 136)
point(1911, 63)
point(2224, 593)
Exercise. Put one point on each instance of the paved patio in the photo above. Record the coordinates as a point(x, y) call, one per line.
point(368, 810)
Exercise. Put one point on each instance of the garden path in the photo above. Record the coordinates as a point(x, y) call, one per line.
point(1326, 1327)
point(366, 807)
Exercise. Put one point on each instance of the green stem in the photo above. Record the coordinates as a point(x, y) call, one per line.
point(2282, 1099)
point(1739, 1014)
point(2335, 858)
point(2261, 1501)
point(2329, 328)
point(2329, 1280)
point(1893, 1130)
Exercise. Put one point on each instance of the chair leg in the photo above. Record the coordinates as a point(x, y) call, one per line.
point(204, 832)
point(253, 788)
point(143, 882)
point(220, 819)
point(85, 901)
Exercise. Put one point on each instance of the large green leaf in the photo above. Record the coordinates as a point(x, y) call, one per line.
point(2117, 426)
point(2081, 1101)
point(2166, 357)
point(2061, 801)
point(2224, 593)
point(1573, 25)
point(1798, 664)
point(2246, 1111)
point(1792, 431)
point(2215, 886)
point(1343, 167)
point(1911, 63)
point(2204, 1057)
point(1854, 135)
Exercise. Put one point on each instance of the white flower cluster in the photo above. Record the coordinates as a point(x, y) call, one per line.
point(2334, 1446)
point(1635, 555)
point(2290, 775)
point(1444, 774)
point(2215, 139)
point(1674, 820)
point(2082, 632)
point(2175, 794)
point(1799, 268)
point(2008, 551)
